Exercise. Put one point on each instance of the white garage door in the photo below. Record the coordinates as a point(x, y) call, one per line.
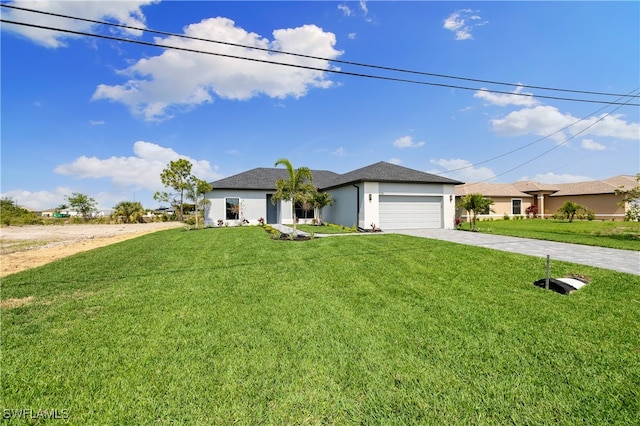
point(407, 212)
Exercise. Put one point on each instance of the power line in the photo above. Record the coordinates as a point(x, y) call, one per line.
point(338, 61)
point(394, 69)
point(629, 95)
point(555, 147)
point(620, 104)
point(328, 70)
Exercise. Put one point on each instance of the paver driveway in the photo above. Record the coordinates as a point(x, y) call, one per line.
point(618, 260)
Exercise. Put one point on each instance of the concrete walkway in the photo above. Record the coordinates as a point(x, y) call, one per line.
point(618, 260)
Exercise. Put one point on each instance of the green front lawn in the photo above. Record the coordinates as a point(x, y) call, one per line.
point(225, 325)
point(326, 229)
point(619, 235)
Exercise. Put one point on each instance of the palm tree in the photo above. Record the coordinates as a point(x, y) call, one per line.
point(196, 192)
point(569, 210)
point(474, 204)
point(296, 189)
point(129, 211)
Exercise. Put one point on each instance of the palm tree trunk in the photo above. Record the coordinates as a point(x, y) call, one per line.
point(293, 215)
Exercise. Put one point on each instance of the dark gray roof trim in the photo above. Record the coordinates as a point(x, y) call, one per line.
point(265, 178)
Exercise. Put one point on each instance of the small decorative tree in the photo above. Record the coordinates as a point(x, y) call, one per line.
point(196, 192)
point(532, 211)
point(569, 210)
point(630, 201)
point(319, 200)
point(475, 204)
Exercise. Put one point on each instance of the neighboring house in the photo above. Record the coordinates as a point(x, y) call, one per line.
point(507, 199)
point(384, 194)
point(58, 213)
point(513, 198)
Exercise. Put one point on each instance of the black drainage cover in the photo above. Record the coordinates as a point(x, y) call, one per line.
point(561, 285)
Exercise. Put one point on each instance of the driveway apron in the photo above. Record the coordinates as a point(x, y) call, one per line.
point(618, 260)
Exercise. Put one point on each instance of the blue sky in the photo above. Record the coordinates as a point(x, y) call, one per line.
point(104, 117)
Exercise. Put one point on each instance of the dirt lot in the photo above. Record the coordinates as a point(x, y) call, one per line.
point(24, 247)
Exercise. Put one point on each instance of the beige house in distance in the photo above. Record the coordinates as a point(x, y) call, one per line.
point(513, 199)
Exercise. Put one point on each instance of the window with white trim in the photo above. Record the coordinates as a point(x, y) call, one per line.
point(232, 207)
point(304, 210)
point(516, 206)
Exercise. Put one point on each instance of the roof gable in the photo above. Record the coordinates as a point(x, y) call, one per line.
point(584, 188)
point(387, 172)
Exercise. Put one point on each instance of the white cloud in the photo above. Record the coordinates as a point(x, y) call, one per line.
point(395, 161)
point(463, 22)
point(39, 200)
point(352, 36)
point(363, 7)
point(142, 170)
point(545, 120)
point(233, 152)
point(517, 98)
point(541, 120)
point(339, 152)
point(407, 142)
point(592, 145)
point(611, 126)
point(345, 9)
point(464, 170)
point(551, 177)
point(121, 12)
point(96, 122)
point(176, 80)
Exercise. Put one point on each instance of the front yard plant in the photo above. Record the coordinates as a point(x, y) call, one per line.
point(227, 326)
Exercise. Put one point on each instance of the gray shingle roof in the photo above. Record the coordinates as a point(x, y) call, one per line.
point(387, 172)
point(265, 178)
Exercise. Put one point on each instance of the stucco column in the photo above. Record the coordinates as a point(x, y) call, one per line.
point(541, 205)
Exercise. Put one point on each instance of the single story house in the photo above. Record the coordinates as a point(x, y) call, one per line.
point(513, 199)
point(382, 194)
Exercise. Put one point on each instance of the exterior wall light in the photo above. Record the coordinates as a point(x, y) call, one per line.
point(369, 197)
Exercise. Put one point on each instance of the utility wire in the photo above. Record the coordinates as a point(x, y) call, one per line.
point(553, 148)
point(329, 70)
point(380, 67)
point(629, 95)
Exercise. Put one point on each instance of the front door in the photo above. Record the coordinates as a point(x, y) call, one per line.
point(272, 211)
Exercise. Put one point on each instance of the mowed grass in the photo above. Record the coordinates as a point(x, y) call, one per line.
point(327, 229)
point(618, 235)
point(225, 326)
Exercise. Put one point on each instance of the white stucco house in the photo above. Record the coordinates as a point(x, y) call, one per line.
point(384, 194)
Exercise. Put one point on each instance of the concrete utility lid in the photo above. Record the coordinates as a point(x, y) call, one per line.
point(561, 285)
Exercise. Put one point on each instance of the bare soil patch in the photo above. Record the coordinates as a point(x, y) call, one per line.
point(15, 303)
point(24, 247)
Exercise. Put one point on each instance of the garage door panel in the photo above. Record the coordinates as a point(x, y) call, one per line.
point(398, 212)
